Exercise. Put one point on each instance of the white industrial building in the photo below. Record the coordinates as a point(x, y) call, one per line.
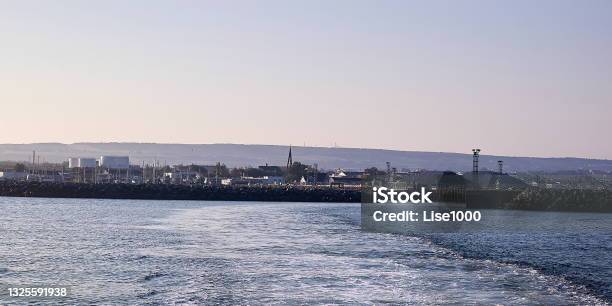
point(115, 162)
point(73, 162)
point(82, 162)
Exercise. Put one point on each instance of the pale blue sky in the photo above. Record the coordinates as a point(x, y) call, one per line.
point(535, 77)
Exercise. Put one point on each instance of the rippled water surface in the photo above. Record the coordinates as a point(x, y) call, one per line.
point(139, 252)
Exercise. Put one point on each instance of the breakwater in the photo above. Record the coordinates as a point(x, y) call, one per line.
point(575, 200)
point(177, 192)
point(579, 200)
point(527, 199)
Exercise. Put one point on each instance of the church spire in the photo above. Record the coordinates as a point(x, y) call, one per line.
point(289, 159)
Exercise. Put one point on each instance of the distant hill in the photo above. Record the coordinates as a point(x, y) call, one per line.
point(327, 158)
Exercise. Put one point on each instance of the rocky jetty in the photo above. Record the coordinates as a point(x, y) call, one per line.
point(177, 192)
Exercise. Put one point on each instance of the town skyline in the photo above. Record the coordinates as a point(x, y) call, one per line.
point(240, 155)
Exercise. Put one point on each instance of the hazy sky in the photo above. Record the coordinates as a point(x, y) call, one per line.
point(512, 77)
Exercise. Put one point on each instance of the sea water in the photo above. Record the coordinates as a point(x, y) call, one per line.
point(160, 252)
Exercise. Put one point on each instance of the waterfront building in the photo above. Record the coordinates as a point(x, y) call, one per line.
point(345, 181)
point(347, 173)
point(115, 162)
point(82, 162)
point(344, 178)
point(73, 162)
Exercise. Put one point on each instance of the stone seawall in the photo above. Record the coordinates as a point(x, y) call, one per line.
point(177, 192)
